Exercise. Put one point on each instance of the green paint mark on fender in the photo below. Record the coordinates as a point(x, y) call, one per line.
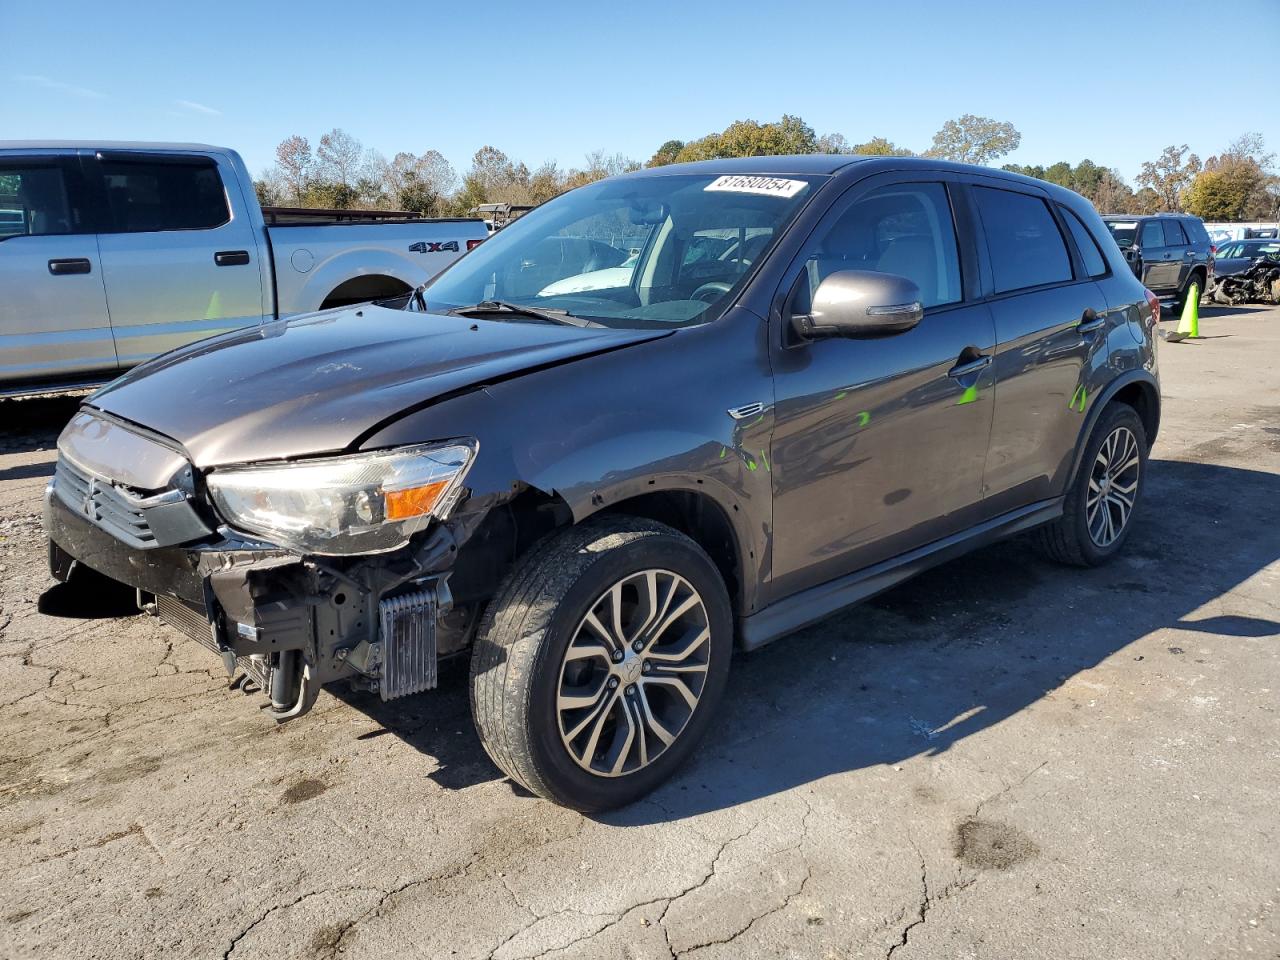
point(766, 462)
point(723, 451)
point(1081, 397)
point(841, 395)
point(864, 418)
point(970, 394)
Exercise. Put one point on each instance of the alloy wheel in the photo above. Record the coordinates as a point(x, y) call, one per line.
point(633, 673)
point(1113, 486)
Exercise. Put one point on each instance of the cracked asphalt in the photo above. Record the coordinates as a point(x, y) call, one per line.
point(1001, 759)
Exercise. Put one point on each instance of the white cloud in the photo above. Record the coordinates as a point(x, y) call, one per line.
point(198, 107)
point(36, 80)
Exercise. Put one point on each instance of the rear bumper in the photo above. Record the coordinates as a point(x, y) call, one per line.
point(289, 623)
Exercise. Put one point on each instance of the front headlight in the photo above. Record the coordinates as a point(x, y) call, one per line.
point(364, 503)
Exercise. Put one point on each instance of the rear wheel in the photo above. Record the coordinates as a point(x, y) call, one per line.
point(598, 665)
point(1098, 510)
point(1198, 282)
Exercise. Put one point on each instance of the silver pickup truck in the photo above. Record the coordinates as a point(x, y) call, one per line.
point(111, 253)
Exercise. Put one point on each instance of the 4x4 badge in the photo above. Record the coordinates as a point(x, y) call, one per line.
point(422, 246)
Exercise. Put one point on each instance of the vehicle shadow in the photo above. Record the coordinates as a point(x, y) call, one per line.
point(35, 422)
point(944, 656)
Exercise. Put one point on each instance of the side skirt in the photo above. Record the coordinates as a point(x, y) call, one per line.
point(816, 603)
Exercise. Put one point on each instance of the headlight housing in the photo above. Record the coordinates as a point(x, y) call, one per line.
point(337, 506)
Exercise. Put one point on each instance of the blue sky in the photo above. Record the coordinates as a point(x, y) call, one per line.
point(1112, 81)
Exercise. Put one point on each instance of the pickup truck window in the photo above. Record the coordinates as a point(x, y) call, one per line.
point(34, 201)
point(1026, 246)
point(147, 195)
point(643, 251)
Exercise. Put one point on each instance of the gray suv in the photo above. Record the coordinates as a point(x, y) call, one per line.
point(799, 381)
point(1168, 252)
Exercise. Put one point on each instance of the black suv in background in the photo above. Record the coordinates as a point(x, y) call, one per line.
point(816, 377)
point(1166, 251)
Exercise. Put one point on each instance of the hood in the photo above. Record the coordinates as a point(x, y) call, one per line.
point(320, 383)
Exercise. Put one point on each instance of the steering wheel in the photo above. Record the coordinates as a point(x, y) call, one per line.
point(710, 292)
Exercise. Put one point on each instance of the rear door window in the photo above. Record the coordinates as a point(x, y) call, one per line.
point(1173, 235)
point(149, 194)
point(1152, 235)
point(37, 199)
point(1023, 239)
point(1094, 262)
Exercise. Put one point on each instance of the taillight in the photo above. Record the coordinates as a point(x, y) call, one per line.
point(472, 244)
point(1213, 249)
point(1154, 303)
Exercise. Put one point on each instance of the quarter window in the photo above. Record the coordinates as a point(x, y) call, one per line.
point(35, 201)
point(1094, 262)
point(146, 195)
point(905, 229)
point(1023, 239)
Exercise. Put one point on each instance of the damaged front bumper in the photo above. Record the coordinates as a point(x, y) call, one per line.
point(289, 623)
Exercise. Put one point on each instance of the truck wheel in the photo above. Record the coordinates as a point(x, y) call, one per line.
point(1100, 505)
point(600, 662)
point(1186, 292)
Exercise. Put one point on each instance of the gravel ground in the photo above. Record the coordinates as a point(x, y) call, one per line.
point(1001, 759)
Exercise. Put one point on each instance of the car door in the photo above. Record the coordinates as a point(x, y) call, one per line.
point(1159, 270)
point(1052, 322)
point(178, 264)
point(1178, 251)
point(879, 443)
point(53, 307)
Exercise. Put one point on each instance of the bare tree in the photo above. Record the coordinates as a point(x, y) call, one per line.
point(339, 157)
point(1169, 175)
point(294, 161)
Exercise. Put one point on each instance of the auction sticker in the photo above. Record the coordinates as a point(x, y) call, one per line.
point(765, 186)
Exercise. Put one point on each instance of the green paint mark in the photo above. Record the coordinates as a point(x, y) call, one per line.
point(970, 394)
point(841, 395)
point(766, 462)
point(722, 452)
point(751, 464)
point(1081, 396)
point(864, 418)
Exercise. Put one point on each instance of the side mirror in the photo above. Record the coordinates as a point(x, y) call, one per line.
point(860, 303)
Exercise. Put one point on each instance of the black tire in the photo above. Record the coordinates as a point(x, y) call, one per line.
point(525, 633)
point(1185, 293)
point(1068, 539)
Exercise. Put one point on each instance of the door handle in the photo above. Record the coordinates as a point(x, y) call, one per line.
point(70, 265)
point(1189, 253)
point(1090, 321)
point(231, 258)
point(966, 367)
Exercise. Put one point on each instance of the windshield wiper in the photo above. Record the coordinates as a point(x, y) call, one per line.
point(500, 307)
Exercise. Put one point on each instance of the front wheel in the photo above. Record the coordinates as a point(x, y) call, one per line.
point(600, 661)
point(1098, 509)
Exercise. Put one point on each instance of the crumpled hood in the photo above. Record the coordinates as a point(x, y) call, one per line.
point(319, 383)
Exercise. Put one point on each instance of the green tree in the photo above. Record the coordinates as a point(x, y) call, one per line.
point(880, 147)
point(748, 138)
point(973, 139)
point(1233, 185)
point(1169, 175)
point(666, 153)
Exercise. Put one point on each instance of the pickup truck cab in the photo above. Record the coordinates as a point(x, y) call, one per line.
point(817, 376)
point(112, 253)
